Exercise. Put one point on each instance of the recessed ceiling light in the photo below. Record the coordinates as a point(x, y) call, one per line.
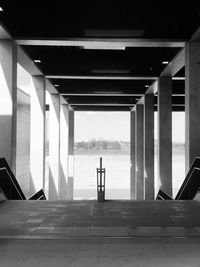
point(137, 99)
point(1, 9)
point(37, 61)
point(146, 86)
point(56, 85)
point(165, 62)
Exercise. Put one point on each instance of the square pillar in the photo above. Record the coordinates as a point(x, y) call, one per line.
point(165, 134)
point(132, 154)
point(37, 134)
point(139, 148)
point(64, 134)
point(149, 145)
point(8, 101)
point(71, 156)
point(192, 103)
point(54, 147)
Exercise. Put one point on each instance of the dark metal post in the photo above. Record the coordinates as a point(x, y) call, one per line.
point(101, 182)
point(100, 174)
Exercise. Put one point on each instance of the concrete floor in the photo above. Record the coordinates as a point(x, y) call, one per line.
point(87, 233)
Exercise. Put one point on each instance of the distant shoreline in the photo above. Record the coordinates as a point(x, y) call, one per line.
point(178, 149)
point(102, 152)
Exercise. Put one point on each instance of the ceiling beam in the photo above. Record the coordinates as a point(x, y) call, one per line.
point(178, 78)
point(102, 104)
point(177, 95)
point(101, 108)
point(87, 77)
point(110, 94)
point(104, 43)
point(115, 104)
point(175, 65)
point(94, 94)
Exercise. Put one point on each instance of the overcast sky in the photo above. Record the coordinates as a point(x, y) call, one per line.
point(116, 126)
point(102, 125)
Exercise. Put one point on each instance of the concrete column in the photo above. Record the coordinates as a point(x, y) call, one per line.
point(139, 148)
point(165, 134)
point(64, 133)
point(149, 145)
point(132, 154)
point(71, 156)
point(37, 134)
point(192, 103)
point(8, 101)
point(54, 147)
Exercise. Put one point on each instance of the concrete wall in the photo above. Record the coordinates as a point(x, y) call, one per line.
point(8, 70)
point(23, 141)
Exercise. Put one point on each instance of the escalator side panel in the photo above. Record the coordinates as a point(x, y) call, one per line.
point(163, 196)
point(195, 164)
point(192, 186)
point(8, 182)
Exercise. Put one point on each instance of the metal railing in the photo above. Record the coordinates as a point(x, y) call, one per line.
point(163, 196)
point(195, 164)
point(190, 186)
point(10, 186)
point(38, 195)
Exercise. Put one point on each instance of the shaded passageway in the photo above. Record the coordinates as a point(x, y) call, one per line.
point(138, 57)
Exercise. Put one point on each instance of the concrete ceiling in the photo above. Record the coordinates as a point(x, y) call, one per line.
point(112, 76)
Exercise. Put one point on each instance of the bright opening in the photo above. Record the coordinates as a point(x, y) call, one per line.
point(106, 135)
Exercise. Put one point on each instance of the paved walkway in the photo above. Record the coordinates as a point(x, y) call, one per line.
point(87, 233)
point(89, 219)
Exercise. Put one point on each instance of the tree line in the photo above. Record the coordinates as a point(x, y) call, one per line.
point(94, 144)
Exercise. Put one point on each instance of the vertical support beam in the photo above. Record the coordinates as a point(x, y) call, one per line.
point(139, 148)
point(149, 145)
point(8, 101)
point(132, 154)
point(192, 106)
point(71, 156)
point(54, 147)
point(165, 134)
point(64, 134)
point(37, 147)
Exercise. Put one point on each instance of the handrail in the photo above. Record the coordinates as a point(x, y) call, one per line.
point(4, 166)
point(163, 195)
point(192, 185)
point(11, 180)
point(14, 184)
point(38, 195)
point(195, 164)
